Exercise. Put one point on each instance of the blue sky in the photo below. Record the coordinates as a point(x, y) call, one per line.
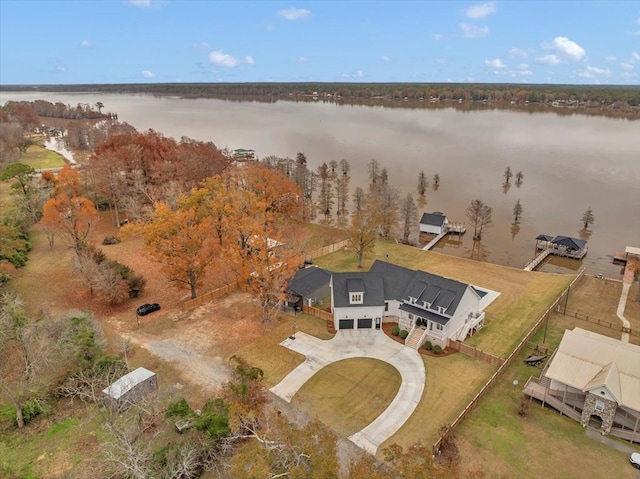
point(136, 41)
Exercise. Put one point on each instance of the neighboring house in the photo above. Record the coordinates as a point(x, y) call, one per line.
point(436, 308)
point(595, 380)
point(309, 286)
point(435, 223)
point(129, 389)
point(241, 155)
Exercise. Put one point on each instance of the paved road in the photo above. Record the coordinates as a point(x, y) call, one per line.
point(364, 343)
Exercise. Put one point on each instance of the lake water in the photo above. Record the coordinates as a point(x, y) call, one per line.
point(570, 163)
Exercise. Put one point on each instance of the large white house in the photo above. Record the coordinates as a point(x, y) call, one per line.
point(438, 308)
point(593, 379)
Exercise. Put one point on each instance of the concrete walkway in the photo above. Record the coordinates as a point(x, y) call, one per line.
point(620, 312)
point(363, 343)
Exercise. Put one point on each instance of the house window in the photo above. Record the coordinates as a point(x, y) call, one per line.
point(386, 306)
point(411, 316)
point(439, 327)
point(599, 405)
point(356, 297)
point(440, 310)
point(412, 300)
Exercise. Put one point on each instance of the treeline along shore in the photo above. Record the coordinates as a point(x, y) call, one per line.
point(621, 101)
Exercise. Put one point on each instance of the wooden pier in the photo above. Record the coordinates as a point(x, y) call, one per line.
point(563, 246)
point(452, 228)
point(533, 264)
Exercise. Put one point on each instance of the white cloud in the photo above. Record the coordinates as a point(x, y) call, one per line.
point(86, 44)
point(148, 74)
point(638, 20)
point(626, 66)
point(629, 76)
point(548, 60)
point(385, 58)
point(357, 74)
point(294, 13)
point(635, 56)
point(438, 36)
point(519, 52)
point(523, 66)
point(566, 48)
point(140, 3)
point(473, 31)
point(481, 11)
point(202, 45)
point(301, 59)
point(611, 58)
point(221, 59)
point(270, 27)
point(61, 68)
point(593, 72)
point(441, 60)
point(249, 60)
point(495, 63)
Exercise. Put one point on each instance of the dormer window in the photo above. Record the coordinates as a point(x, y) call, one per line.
point(412, 300)
point(356, 298)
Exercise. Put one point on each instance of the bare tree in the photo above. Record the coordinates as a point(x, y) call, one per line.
point(409, 216)
point(365, 227)
point(507, 174)
point(422, 183)
point(480, 215)
point(374, 171)
point(32, 350)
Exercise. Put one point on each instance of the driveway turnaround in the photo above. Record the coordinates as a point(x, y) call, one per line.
point(362, 343)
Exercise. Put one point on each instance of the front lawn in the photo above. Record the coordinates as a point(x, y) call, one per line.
point(348, 395)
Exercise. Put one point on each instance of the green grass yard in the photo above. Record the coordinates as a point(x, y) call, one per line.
point(350, 394)
point(38, 157)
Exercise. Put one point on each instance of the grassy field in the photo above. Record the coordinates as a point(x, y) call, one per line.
point(451, 382)
point(524, 295)
point(38, 157)
point(349, 394)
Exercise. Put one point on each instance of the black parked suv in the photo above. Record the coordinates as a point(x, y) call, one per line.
point(147, 309)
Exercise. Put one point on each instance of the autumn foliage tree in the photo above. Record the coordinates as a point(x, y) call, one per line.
point(72, 217)
point(182, 242)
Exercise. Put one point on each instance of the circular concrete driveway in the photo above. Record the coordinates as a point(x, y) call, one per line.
point(361, 343)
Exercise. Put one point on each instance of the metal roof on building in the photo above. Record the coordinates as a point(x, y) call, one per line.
point(128, 382)
point(586, 360)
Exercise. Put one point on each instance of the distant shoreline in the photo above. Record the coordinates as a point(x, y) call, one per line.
point(614, 101)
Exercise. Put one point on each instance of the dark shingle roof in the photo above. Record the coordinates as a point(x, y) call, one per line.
point(371, 284)
point(435, 219)
point(308, 280)
point(544, 237)
point(355, 285)
point(440, 291)
point(424, 314)
point(394, 278)
point(386, 281)
point(569, 242)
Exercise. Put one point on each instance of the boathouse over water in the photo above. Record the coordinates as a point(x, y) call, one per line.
point(562, 246)
point(566, 246)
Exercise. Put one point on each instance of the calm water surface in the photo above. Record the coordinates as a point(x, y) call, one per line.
point(569, 163)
